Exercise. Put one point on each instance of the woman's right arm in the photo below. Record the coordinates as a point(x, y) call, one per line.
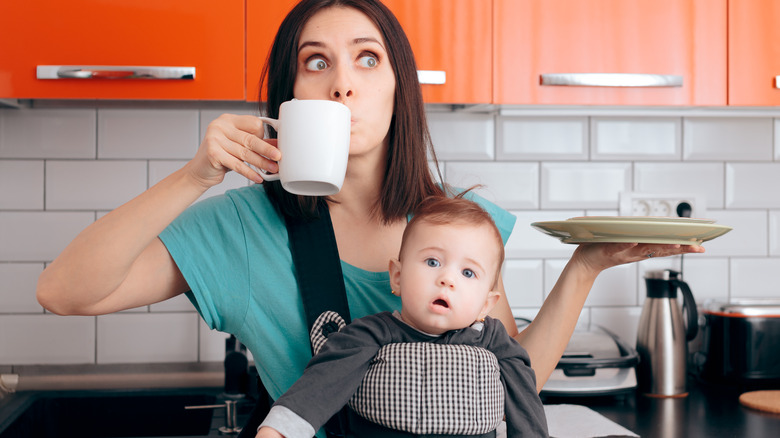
point(118, 262)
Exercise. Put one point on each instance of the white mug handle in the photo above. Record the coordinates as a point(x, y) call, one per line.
point(274, 124)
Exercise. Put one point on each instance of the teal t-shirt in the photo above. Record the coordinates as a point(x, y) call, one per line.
point(234, 252)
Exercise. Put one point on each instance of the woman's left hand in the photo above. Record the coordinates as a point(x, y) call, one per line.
point(600, 256)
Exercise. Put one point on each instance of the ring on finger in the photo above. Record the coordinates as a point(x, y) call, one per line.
point(650, 254)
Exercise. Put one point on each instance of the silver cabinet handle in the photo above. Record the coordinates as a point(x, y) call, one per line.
point(611, 80)
point(113, 72)
point(777, 81)
point(434, 77)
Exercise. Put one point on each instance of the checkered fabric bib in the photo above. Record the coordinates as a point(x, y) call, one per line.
point(426, 388)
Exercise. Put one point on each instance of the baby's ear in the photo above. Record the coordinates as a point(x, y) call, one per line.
point(490, 302)
point(395, 275)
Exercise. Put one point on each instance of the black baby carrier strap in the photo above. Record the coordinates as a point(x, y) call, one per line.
point(318, 267)
point(321, 284)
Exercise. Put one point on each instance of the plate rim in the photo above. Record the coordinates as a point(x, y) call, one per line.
point(707, 231)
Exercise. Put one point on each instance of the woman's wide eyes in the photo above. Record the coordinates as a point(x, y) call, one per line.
point(433, 263)
point(316, 64)
point(468, 273)
point(368, 61)
point(319, 64)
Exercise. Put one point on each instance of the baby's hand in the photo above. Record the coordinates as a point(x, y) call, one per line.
point(267, 432)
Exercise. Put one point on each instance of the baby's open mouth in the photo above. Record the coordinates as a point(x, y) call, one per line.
point(441, 302)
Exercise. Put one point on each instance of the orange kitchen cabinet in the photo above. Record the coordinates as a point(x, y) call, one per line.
point(453, 37)
point(451, 40)
point(754, 52)
point(262, 21)
point(610, 52)
point(85, 34)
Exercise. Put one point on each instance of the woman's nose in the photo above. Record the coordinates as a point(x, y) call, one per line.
point(342, 84)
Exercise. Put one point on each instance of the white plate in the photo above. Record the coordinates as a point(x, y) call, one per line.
point(633, 229)
point(683, 220)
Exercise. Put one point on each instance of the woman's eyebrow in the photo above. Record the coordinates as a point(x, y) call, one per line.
point(310, 43)
point(355, 42)
point(362, 40)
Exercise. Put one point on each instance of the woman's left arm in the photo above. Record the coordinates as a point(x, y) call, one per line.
point(546, 337)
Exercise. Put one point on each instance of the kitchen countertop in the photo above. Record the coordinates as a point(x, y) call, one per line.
point(157, 411)
point(709, 410)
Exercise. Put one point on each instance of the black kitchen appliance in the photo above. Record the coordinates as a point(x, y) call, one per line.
point(741, 342)
point(596, 362)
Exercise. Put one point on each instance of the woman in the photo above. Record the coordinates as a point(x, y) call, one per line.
point(232, 251)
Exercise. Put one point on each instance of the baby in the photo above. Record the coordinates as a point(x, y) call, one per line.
point(439, 367)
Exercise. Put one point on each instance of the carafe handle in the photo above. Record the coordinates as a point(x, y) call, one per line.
point(691, 313)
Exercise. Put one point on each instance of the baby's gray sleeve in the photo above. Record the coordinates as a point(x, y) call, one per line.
point(288, 423)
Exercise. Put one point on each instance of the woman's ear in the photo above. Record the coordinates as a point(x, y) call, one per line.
point(490, 302)
point(395, 276)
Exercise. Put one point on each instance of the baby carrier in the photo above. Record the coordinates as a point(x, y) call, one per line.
point(321, 284)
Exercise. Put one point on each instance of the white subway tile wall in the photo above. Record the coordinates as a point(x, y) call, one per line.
point(48, 133)
point(774, 233)
point(62, 167)
point(17, 287)
point(147, 133)
point(147, 337)
point(511, 185)
point(621, 138)
point(467, 136)
point(583, 185)
point(93, 185)
point(26, 177)
point(542, 138)
point(703, 179)
point(752, 185)
point(727, 139)
point(47, 339)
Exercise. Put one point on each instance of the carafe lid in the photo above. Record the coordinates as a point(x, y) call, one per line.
point(662, 283)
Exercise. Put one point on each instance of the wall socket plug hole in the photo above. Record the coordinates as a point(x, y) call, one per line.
point(684, 209)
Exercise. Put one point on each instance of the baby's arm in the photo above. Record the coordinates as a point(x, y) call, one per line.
point(330, 379)
point(283, 422)
point(522, 406)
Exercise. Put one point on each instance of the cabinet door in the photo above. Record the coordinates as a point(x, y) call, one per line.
point(637, 52)
point(262, 21)
point(451, 40)
point(105, 41)
point(754, 52)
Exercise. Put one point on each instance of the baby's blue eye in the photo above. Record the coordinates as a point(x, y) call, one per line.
point(433, 263)
point(368, 61)
point(316, 64)
point(468, 273)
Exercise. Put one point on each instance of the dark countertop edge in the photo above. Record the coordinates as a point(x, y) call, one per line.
point(15, 404)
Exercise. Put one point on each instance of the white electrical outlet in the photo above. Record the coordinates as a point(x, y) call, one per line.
point(661, 205)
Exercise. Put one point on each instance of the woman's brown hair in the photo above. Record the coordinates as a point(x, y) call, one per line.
point(408, 178)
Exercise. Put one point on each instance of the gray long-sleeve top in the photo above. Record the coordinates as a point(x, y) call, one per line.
point(334, 375)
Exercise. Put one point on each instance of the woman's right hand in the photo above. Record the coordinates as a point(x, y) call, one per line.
point(233, 142)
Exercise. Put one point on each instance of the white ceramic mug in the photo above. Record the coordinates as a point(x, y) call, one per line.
point(314, 140)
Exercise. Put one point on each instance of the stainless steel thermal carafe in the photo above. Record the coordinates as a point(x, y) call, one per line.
point(663, 335)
